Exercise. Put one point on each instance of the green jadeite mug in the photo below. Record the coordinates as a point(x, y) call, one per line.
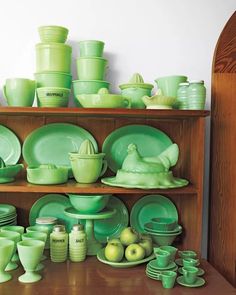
point(163, 257)
point(170, 84)
point(190, 274)
point(6, 252)
point(91, 48)
point(167, 278)
point(87, 169)
point(19, 92)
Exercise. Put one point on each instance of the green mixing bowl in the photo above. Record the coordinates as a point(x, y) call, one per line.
point(53, 79)
point(54, 34)
point(164, 239)
point(91, 68)
point(53, 57)
point(89, 203)
point(53, 96)
point(91, 48)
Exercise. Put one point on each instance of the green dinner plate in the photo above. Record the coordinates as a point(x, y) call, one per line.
point(150, 142)
point(10, 148)
point(112, 227)
point(6, 210)
point(124, 263)
point(151, 206)
point(50, 144)
point(52, 205)
point(199, 282)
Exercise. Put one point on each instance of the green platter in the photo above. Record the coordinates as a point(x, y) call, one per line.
point(50, 144)
point(124, 263)
point(10, 148)
point(149, 207)
point(52, 205)
point(150, 142)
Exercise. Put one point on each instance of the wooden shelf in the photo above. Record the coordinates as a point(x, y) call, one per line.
point(93, 277)
point(22, 186)
point(105, 113)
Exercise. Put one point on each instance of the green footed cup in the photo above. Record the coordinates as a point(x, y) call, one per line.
point(42, 229)
point(19, 92)
point(15, 237)
point(30, 253)
point(6, 252)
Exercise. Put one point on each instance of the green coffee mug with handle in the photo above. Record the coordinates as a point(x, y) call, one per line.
point(167, 278)
point(19, 92)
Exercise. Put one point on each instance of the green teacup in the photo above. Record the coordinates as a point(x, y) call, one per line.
point(190, 274)
point(172, 250)
point(167, 278)
point(6, 252)
point(187, 254)
point(163, 257)
point(88, 168)
point(190, 262)
point(19, 92)
point(170, 84)
point(30, 252)
point(91, 48)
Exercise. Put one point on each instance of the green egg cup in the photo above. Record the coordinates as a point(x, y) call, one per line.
point(6, 252)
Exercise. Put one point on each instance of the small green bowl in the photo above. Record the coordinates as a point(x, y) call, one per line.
point(50, 34)
point(164, 224)
point(91, 48)
point(45, 175)
point(8, 173)
point(89, 203)
point(164, 239)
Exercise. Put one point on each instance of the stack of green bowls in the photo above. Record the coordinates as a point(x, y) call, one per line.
point(91, 68)
point(53, 67)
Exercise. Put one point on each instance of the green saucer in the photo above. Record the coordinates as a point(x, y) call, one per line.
point(199, 282)
point(153, 265)
point(6, 210)
point(200, 271)
point(152, 271)
point(179, 261)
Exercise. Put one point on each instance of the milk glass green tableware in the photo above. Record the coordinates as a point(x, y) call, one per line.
point(53, 79)
point(198, 283)
point(88, 86)
point(55, 34)
point(40, 236)
point(163, 257)
point(190, 274)
point(6, 252)
point(190, 262)
point(8, 173)
point(30, 253)
point(40, 229)
point(15, 237)
point(88, 203)
point(89, 48)
point(169, 84)
point(172, 250)
point(91, 68)
point(187, 254)
point(168, 279)
point(19, 92)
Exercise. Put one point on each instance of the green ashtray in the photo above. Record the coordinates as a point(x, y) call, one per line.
point(47, 174)
point(8, 173)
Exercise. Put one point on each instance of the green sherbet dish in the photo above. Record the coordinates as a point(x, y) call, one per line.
point(89, 203)
point(47, 174)
point(103, 99)
point(8, 173)
point(137, 172)
point(50, 34)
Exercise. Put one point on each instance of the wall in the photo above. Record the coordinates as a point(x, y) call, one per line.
point(153, 37)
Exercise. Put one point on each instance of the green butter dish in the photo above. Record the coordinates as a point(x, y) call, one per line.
point(8, 173)
point(52, 205)
point(47, 174)
point(50, 144)
point(10, 148)
point(124, 263)
point(103, 99)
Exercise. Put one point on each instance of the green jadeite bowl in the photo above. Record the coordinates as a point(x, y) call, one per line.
point(45, 174)
point(89, 203)
point(163, 239)
point(50, 34)
point(8, 173)
point(163, 224)
point(53, 79)
point(53, 96)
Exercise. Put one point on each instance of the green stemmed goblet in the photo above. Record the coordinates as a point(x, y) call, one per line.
point(30, 252)
point(16, 228)
point(6, 252)
point(36, 236)
point(15, 237)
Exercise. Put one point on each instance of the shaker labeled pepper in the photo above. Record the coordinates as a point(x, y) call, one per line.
point(58, 244)
point(77, 243)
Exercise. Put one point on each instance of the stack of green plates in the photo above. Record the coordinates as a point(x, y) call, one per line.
point(153, 270)
point(7, 215)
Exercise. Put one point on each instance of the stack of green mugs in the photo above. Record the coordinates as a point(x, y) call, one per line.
point(53, 67)
point(91, 68)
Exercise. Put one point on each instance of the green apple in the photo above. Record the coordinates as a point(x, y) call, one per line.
point(134, 252)
point(114, 250)
point(128, 236)
point(147, 245)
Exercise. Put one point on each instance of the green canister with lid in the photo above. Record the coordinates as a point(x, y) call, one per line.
point(77, 243)
point(196, 95)
point(47, 222)
point(58, 244)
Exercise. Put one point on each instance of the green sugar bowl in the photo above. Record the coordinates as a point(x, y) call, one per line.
point(135, 89)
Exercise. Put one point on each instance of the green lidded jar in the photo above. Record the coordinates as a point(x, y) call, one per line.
point(196, 95)
point(77, 243)
point(47, 222)
point(182, 96)
point(58, 244)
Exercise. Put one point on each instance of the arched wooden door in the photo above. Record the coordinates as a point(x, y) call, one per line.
point(222, 232)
